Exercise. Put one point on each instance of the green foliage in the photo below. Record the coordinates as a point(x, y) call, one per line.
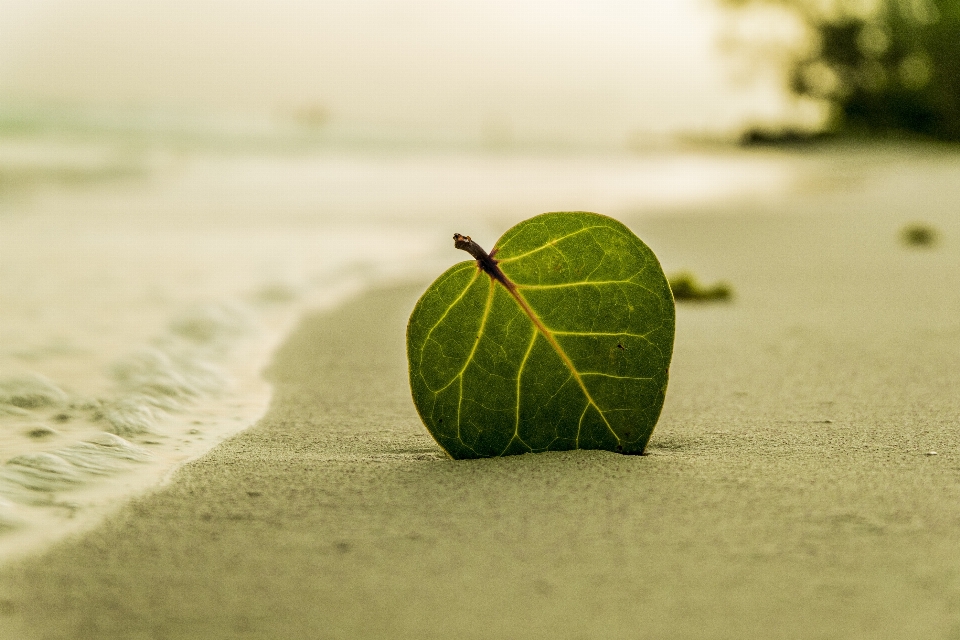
point(570, 350)
point(919, 235)
point(686, 287)
point(892, 68)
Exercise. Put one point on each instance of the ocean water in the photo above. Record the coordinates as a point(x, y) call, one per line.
point(143, 289)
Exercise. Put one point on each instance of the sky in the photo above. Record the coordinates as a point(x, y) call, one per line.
point(604, 71)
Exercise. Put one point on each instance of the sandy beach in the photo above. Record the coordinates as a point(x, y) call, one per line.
point(803, 481)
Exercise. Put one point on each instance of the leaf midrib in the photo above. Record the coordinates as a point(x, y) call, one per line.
point(548, 335)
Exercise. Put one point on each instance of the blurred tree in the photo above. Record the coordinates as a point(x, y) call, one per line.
point(883, 65)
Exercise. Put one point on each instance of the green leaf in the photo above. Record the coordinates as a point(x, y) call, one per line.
point(560, 340)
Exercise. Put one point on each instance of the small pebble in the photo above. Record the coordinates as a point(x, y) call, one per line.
point(931, 453)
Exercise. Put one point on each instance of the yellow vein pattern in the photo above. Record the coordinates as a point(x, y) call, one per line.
point(560, 352)
point(567, 285)
point(584, 374)
point(449, 308)
point(552, 243)
point(473, 350)
point(486, 384)
point(516, 424)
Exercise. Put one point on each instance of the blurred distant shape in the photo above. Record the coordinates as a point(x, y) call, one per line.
point(30, 159)
point(883, 67)
point(22, 176)
point(687, 288)
point(919, 235)
point(313, 116)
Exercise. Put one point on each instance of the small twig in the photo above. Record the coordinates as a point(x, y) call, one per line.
point(485, 261)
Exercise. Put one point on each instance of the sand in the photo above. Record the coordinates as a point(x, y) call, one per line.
point(804, 480)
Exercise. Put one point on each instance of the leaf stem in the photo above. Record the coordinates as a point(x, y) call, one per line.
point(485, 260)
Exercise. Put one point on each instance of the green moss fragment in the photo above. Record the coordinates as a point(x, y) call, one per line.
point(919, 235)
point(686, 288)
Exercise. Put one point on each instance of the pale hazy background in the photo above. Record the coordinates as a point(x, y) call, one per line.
point(502, 73)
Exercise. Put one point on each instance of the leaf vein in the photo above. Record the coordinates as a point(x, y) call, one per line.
point(525, 306)
point(523, 363)
point(583, 283)
point(586, 408)
point(445, 313)
point(483, 326)
point(610, 375)
point(549, 244)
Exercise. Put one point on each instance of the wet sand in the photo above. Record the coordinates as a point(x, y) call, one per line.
point(791, 489)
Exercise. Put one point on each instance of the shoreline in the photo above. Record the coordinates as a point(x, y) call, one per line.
point(99, 461)
point(70, 480)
